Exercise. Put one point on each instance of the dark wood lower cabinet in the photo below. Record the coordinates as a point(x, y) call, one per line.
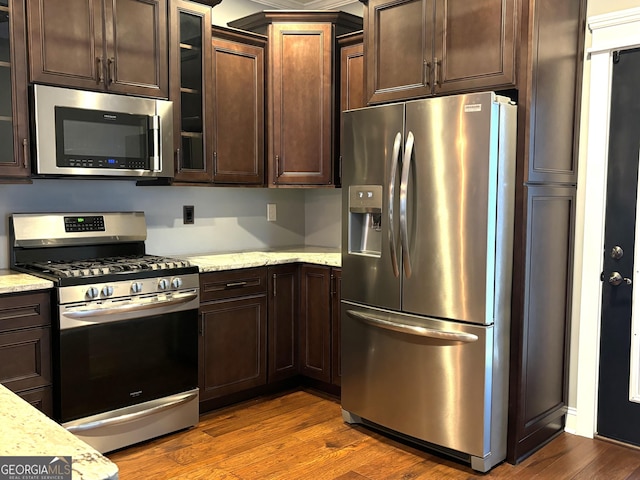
point(315, 322)
point(268, 327)
point(336, 342)
point(233, 353)
point(540, 327)
point(25, 347)
point(283, 322)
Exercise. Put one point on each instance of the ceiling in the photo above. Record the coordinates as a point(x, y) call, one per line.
point(305, 4)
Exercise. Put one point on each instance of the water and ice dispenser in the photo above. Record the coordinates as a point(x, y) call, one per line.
point(365, 220)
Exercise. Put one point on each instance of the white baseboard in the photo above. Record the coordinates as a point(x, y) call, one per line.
point(571, 421)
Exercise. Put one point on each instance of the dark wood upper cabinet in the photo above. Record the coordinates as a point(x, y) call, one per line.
point(14, 120)
point(237, 95)
point(352, 88)
point(416, 48)
point(190, 80)
point(217, 78)
point(551, 77)
point(114, 45)
point(302, 102)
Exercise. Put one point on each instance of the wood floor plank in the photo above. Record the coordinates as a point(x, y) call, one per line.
point(301, 435)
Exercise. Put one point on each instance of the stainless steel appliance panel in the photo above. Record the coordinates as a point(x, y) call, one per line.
point(449, 199)
point(160, 112)
point(427, 378)
point(371, 151)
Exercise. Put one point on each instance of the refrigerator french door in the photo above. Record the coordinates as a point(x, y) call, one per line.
point(428, 190)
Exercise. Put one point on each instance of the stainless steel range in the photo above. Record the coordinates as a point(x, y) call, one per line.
point(125, 329)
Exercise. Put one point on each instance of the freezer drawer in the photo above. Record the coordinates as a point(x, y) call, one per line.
point(429, 379)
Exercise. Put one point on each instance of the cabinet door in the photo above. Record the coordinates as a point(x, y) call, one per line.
point(283, 322)
point(301, 101)
point(315, 322)
point(540, 320)
point(399, 49)
point(136, 47)
point(25, 346)
point(238, 112)
point(66, 42)
point(551, 120)
point(190, 61)
point(352, 76)
point(474, 45)
point(233, 346)
point(336, 325)
point(14, 123)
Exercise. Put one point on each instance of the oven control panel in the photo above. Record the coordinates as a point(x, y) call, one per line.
point(94, 223)
point(120, 291)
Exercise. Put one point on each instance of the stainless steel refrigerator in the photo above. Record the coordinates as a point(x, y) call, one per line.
point(427, 235)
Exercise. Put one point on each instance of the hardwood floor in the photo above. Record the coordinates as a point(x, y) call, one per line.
point(300, 435)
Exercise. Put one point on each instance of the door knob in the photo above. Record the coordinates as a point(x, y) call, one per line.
point(616, 279)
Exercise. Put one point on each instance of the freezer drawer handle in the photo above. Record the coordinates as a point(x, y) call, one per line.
point(404, 183)
point(411, 329)
point(395, 158)
point(129, 417)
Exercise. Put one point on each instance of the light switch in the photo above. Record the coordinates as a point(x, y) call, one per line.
point(271, 212)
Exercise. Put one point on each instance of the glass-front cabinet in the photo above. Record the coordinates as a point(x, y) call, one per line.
point(190, 66)
point(14, 125)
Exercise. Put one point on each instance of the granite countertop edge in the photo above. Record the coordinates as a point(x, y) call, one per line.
point(26, 431)
point(221, 261)
point(16, 282)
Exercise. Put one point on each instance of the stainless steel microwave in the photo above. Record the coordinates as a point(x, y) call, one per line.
point(80, 133)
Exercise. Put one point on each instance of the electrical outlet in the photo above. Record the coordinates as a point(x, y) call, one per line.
point(271, 212)
point(188, 214)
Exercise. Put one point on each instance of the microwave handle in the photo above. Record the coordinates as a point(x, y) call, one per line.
point(154, 142)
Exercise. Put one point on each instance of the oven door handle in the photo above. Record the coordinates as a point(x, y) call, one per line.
point(376, 321)
point(175, 299)
point(129, 417)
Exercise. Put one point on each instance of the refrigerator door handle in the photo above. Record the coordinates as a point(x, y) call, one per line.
point(380, 322)
point(404, 182)
point(395, 159)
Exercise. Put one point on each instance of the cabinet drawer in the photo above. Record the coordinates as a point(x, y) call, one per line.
point(24, 311)
point(25, 358)
point(40, 398)
point(233, 283)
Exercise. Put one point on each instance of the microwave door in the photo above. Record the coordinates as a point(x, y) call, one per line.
point(371, 151)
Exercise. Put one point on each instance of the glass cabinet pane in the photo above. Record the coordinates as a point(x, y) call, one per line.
point(193, 152)
point(191, 30)
point(191, 92)
point(5, 52)
point(5, 91)
point(6, 111)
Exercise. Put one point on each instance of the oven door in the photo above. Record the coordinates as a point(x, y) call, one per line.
point(114, 358)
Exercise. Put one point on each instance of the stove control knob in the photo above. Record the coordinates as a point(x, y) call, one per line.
point(136, 287)
point(107, 291)
point(163, 283)
point(93, 292)
point(176, 282)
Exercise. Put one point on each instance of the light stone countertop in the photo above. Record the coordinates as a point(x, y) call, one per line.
point(25, 431)
point(214, 262)
point(14, 282)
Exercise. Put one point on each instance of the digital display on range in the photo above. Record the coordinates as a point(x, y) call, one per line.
point(94, 223)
